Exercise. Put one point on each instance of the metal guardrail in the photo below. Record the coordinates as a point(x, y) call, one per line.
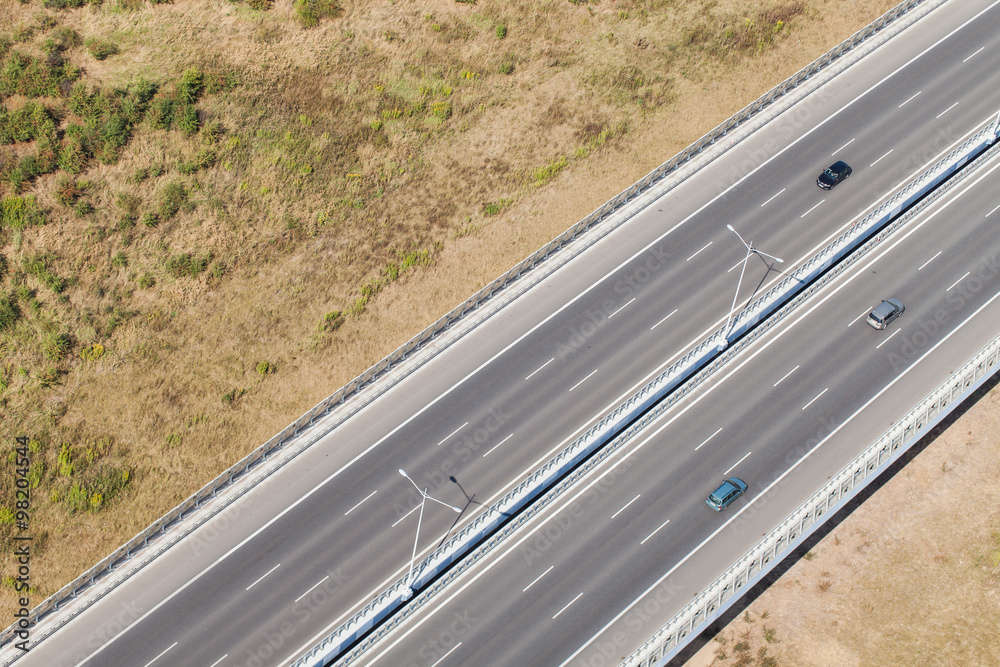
point(810, 515)
point(936, 173)
point(391, 361)
point(717, 363)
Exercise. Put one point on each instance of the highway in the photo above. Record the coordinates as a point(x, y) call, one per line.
point(316, 541)
point(586, 582)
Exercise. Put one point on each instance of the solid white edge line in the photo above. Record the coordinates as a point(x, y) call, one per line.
point(790, 372)
point(219, 660)
point(567, 606)
point(535, 580)
point(820, 443)
point(263, 575)
point(770, 486)
point(525, 335)
point(933, 258)
point(677, 226)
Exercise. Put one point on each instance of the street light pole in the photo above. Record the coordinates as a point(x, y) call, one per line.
point(424, 497)
point(750, 251)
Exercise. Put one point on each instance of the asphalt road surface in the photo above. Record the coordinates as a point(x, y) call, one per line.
point(316, 541)
point(590, 580)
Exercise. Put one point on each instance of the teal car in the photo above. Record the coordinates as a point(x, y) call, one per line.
point(728, 491)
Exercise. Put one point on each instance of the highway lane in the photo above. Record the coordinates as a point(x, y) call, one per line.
point(550, 384)
point(585, 583)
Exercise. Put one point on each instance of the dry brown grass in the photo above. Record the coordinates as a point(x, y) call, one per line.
point(912, 576)
point(334, 162)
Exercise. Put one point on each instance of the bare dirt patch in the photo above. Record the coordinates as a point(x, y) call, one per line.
point(911, 577)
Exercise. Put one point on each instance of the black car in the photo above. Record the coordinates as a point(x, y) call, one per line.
point(835, 173)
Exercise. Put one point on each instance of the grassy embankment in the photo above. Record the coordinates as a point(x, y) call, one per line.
point(215, 213)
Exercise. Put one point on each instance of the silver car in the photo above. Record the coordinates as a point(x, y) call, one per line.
point(883, 314)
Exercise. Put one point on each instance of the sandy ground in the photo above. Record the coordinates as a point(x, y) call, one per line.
point(910, 577)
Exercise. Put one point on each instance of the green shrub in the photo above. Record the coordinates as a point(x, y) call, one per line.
point(9, 312)
point(77, 499)
point(118, 317)
point(38, 266)
point(188, 264)
point(149, 219)
point(119, 261)
point(187, 119)
point(92, 352)
point(331, 321)
point(506, 67)
point(264, 368)
point(495, 208)
point(31, 122)
point(55, 347)
point(17, 213)
point(72, 155)
point(547, 173)
point(231, 397)
point(146, 281)
point(128, 203)
point(100, 48)
point(501, 31)
point(309, 12)
point(44, 21)
point(66, 38)
point(192, 83)
point(173, 196)
point(161, 114)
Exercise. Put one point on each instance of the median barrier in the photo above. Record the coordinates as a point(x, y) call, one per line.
point(749, 569)
point(539, 264)
point(435, 565)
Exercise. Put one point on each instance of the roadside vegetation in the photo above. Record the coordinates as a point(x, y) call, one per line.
point(213, 214)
